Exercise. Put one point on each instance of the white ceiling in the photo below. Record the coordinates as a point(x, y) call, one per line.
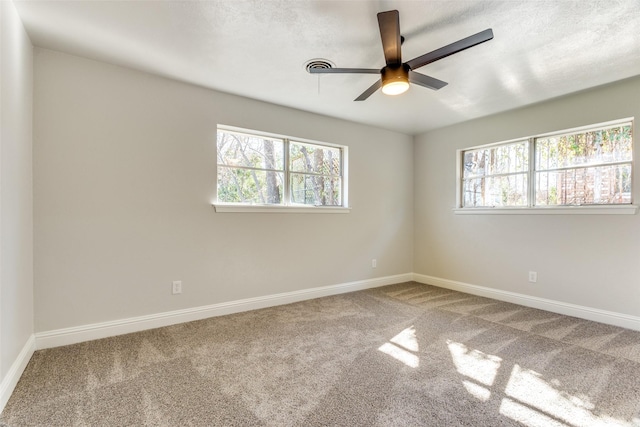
point(258, 49)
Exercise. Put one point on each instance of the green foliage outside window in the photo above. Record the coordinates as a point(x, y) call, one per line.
point(252, 170)
point(574, 168)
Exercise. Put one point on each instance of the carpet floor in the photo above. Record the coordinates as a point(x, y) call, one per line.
point(401, 355)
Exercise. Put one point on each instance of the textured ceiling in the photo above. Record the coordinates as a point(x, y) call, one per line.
point(258, 48)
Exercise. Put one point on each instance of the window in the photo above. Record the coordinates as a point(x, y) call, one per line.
point(315, 174)
point(496, 176)
point(265, 170)
point(584, 168)
point(581, 167)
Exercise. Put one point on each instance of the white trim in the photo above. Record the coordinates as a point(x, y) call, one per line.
point(532, 169)
point(220, 208)
point(59, 337)
point(589, 313)
point(10, 380)
point(563, 210)
point(72, 335)
point(280, 137)
point(287, 207)
point(595, 126)
point(586, 128)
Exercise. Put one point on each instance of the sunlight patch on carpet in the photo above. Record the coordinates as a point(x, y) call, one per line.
point(401, 346)
point(530, 399)
point(527, 416)
point(477, 391)
point(535, 401)
point(407, 339)
point(479, 366)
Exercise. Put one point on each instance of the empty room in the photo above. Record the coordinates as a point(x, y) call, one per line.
point(319, 213)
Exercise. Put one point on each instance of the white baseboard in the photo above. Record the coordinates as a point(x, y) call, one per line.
point(589, 313)
point(15, 372)
point(66, 336)
point(94, 331)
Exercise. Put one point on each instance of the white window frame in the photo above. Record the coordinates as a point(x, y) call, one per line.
point(286, 206)
point(532, 208)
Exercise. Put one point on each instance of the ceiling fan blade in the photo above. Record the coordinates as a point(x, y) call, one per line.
point(344, 71)
point(389, 23)
point(367, 93)
point(450, 49)
point(426, 81)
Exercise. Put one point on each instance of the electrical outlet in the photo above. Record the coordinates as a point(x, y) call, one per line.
point(177, 287)
point(374, 263)
point(533, 277)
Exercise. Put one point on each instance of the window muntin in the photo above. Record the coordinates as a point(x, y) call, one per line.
point(267, 170)
point(582, 167)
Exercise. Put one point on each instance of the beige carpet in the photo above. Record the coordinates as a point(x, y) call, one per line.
point(401, 355)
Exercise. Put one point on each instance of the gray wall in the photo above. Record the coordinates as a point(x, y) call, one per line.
point(124, 175)
point(589, 260)
point(16, 219)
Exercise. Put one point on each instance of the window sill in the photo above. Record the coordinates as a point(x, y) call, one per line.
point(564, 210)
point(224, 208)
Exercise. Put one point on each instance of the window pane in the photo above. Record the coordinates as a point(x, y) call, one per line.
point(315, 190)
point(235, 149)
point(502, 159)
point(583, 186)
point(237, 185)
point(510, 190)
point(594, 147)
point(314, 159)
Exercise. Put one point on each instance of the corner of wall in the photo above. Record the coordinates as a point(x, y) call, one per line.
point(10, 380)
point(17, 339)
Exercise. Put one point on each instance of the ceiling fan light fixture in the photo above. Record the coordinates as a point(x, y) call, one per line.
point(395, 87)
point(395, 80)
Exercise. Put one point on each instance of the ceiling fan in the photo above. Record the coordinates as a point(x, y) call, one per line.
point(396, 75)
